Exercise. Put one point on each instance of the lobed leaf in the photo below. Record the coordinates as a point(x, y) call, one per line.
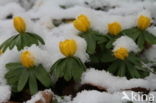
point(43, 76)
point(23, 78)
point(33, 84)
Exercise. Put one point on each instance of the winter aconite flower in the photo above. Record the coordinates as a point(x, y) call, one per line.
point(82, 23)
point(114, 28)
point(143, 22)
point(68, 47)
point(1, 52)
point(27, 59)
point(121, 53)
point(19, 24)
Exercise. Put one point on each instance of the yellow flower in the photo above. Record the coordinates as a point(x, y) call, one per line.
point(121, 53)
point(82, 23)
point(68, 47)
point(1, 52)
point(114, 28)
point(143, 22)
point(19, 24)
point(27, 59)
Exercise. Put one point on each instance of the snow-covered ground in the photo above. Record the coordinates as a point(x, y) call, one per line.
point(41, 16)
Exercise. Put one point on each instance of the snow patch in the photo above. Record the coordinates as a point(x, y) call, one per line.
point(125, 42)
point(113, 84)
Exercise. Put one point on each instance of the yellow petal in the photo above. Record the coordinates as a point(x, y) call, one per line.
point(114, 28)
point(143, 22)
point(82, 23)
point(19, 24)
point(1, 52)
point(27, 59)
point(85, 22)
point(72, 46)
point(84, 18)
point(68, 47)
point(121, 53)
point(79, 25)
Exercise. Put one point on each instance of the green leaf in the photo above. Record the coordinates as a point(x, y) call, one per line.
point(37, 38)
point(122, 70)
point(113, 67)
point(29, 40)
point(109, 44)
point(91, 44)
point(62, 67)
point(140, 42)
point(134, 59)
point(43, 76)
point(23, 80)
point(13, 80)
point(94, 58)
point(132, 33)
point(7, 43)
point(57, 69)
point(107, 56)
point(132, 71)
point(68, 69)
point(12, 43)
point(78, 69)
point(93, 38)
point(150, 38)
point(12, 76)
point(13, 66)
point(13, 73)
point(19, 42)
point(100, 38)
point(81, 64)
point(33, 84)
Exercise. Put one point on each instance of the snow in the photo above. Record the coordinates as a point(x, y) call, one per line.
point(113, 84)
point(7, 57)
point(6, 30)
point(152, 30)
point(38, 96)
point(125, 42)
point(36, 52)
point(10, 9)
point(60, 34)
point(145, 13)
point(2, 2)
point(5, 93)
point(98, 19)
point(150, 53)
point(64, 99)
point(154, 94)
point(94, 96)
point(40, 15)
